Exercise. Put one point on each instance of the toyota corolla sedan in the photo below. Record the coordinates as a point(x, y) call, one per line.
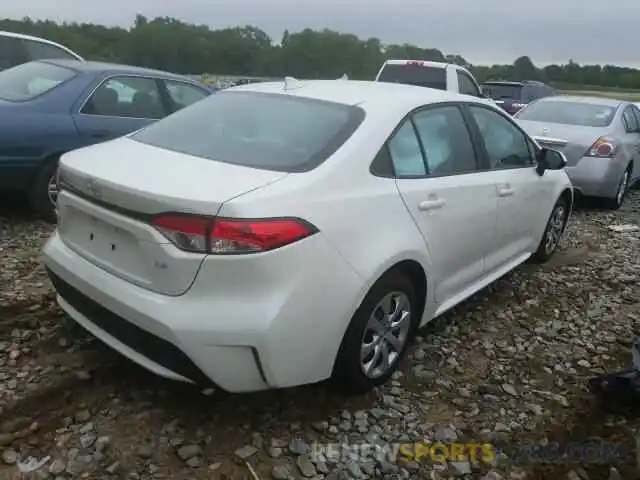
point(281, 234)
point(599, 137)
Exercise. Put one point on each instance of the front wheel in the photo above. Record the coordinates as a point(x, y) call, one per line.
point(378, 336)
point(553, 231)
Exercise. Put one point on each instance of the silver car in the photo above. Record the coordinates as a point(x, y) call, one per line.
point(599, 137)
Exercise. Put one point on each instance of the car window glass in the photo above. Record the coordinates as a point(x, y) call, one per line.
point(414, 73)
point(286, 133)
point(636, 114)
point(629, 120)
point(28, 80)
point(43, 51)
point(405, 152)
point(11, 52)
point(506, 145)
point(530, 93)
point(466, 85)
point(446, 141)
point(134, 97)
point(182, 94)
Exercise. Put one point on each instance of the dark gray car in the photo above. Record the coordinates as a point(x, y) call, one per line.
point(600, 138)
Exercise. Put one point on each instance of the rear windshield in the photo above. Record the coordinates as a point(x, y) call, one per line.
point(569, 113)
point(27, 81)
point(502, 91)
point(411, 74)
point(260, 130)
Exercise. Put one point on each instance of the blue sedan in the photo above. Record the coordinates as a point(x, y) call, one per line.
point(49, 107)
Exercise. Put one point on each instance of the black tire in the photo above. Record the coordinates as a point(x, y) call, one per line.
point(542, 254)
point(616, 202)
point(347, 376)
point(39, 191)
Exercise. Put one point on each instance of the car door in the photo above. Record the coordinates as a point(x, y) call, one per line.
point(525, 198)
point(451, 200)
point(119, 105)
point(631, 135)
point(182, 94)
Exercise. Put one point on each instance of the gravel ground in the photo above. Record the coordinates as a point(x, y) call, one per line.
point(508, 365)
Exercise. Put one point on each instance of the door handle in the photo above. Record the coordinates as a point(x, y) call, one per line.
point(432, 204)
point(505, 191)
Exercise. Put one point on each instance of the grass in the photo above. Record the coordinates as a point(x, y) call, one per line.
point(628, 95)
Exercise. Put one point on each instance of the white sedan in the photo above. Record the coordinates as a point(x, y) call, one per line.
point(280, 234)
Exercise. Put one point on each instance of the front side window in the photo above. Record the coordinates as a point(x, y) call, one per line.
point(45, 51)
point(505, 144)
point(446, 141)
point(182, 94)
point(466, 85)
point(29, 80)
point(260, 130)
point(122, 96)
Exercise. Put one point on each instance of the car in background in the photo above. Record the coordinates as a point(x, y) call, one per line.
point(438, 75)
point(512, 96)
point(49, 107)
point(289, 232)
point(599, 137)
point(16, 48)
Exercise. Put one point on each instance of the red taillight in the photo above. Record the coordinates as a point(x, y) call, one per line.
point(604, 147)
point(231, 235)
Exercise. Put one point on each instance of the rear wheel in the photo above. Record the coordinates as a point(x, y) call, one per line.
point(378, 336)
point(621, 192)
point(44, 191)
point(553, 231)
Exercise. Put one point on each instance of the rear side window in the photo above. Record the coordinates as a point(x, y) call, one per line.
point(27, 81)
point(261, 130)
point(414, 74)
point(466, 85)
point(44, 51)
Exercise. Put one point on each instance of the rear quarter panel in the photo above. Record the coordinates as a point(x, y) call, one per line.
point(31, 132)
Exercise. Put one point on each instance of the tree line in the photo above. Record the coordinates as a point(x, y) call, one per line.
point(169, 44)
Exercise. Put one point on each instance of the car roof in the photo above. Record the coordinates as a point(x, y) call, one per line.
point(360, 93)
point(611, 102)
point(90, 66)
point(503, 82)
point(22, 36)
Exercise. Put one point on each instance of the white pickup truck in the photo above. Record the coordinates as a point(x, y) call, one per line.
point(443, 76)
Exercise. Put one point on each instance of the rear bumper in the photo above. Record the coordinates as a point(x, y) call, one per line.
point(596, 177)
point(270, 335)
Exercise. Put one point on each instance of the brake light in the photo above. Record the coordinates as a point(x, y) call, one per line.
point(200, 234)
point(604, 147)
point(518, 106)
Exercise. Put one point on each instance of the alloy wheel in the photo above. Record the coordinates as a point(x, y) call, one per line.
point(555, 228)
point(385, 335)
point(622, 188)
point(52, 190)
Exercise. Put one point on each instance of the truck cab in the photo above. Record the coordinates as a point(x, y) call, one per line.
point(439, 75)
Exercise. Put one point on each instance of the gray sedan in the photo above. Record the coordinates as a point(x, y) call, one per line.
point(599, 137)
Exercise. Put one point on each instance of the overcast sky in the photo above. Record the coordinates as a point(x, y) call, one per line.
point(484, 32)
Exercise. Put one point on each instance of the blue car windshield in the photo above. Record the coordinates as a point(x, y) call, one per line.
point(29, 80)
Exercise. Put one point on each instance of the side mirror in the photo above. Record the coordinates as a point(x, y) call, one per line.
point(549, 159)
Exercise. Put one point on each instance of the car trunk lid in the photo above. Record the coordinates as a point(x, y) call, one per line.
point(111, 191)
point(572, 140)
